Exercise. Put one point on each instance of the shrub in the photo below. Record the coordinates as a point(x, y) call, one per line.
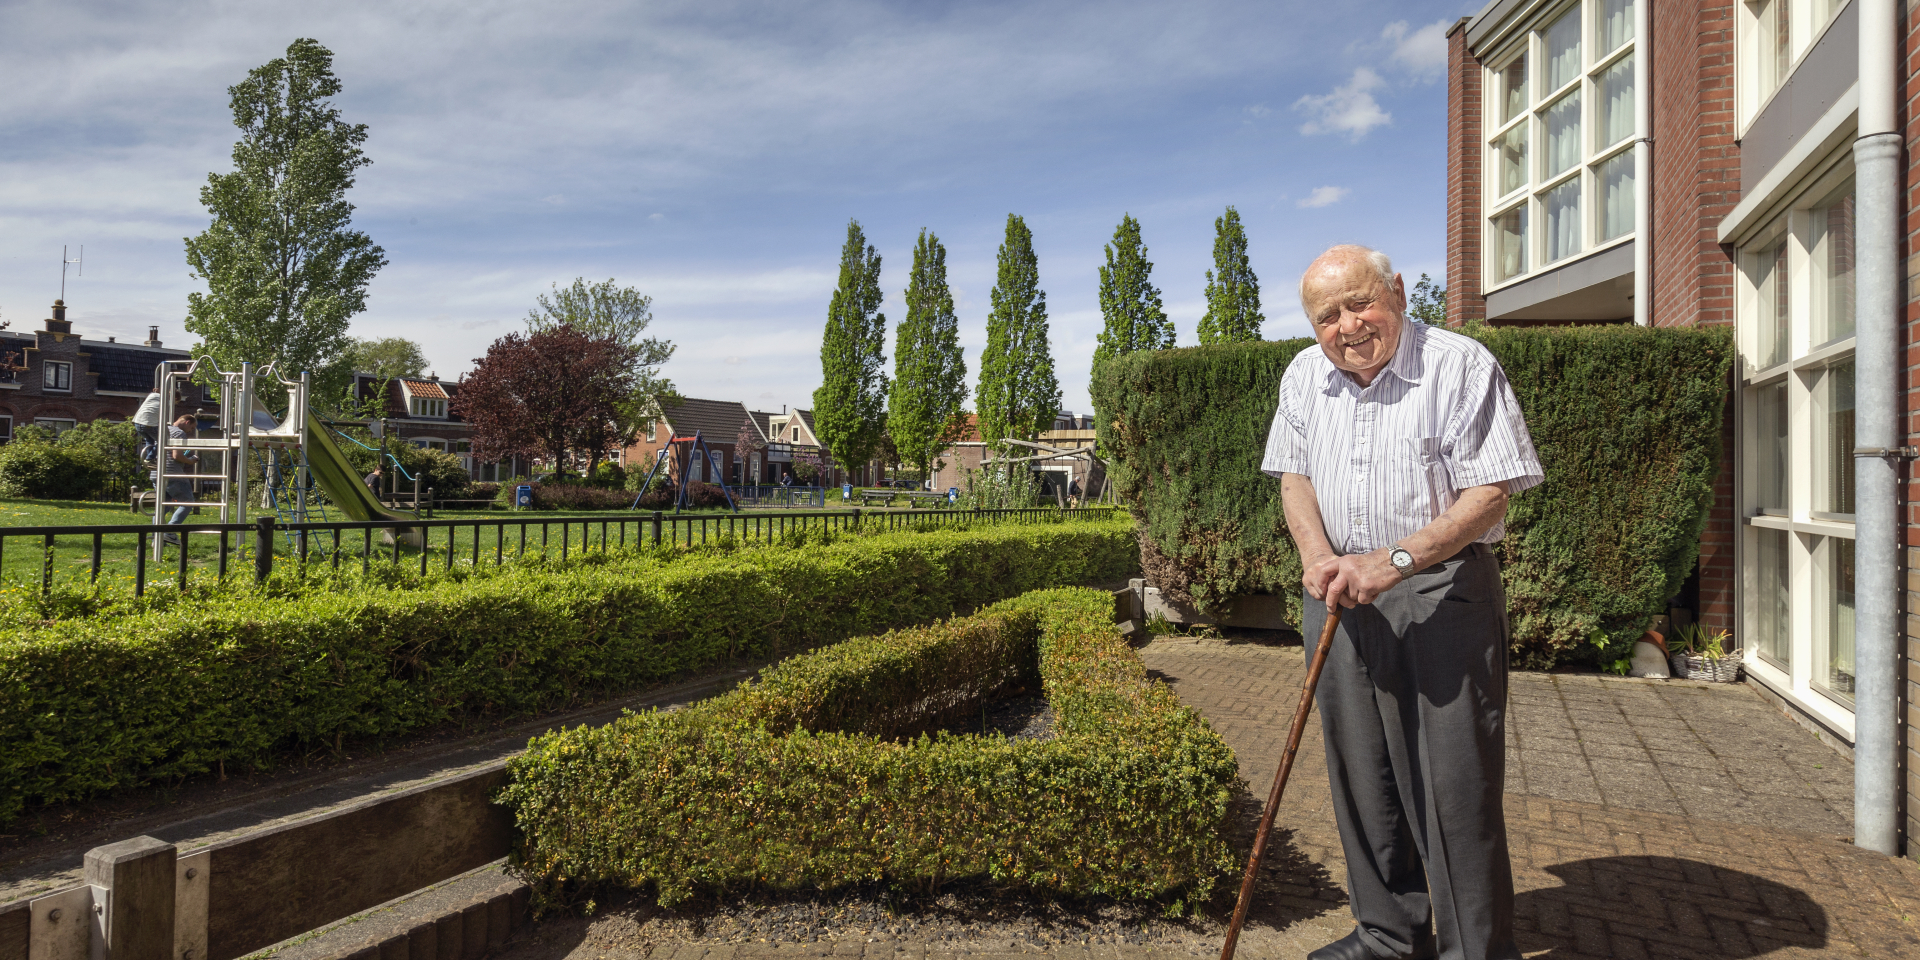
point(801, 780)
point(609, 476)
point(1626, 420)
point(169, 685)
point(49, 471)
point(570, 497)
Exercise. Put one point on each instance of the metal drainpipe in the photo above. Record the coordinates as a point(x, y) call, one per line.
point(1642, 166)
point(1876, 159)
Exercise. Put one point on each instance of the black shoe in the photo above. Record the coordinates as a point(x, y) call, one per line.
point(1349, 947)
point(172, 539)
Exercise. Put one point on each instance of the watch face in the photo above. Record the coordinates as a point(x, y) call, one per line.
point(1401, 558)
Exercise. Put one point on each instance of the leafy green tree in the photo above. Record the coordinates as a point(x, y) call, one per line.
point(850, 403)
point(285, 272)
point(622, 315)
point(1233, 292)
point(929, 366)
point(1128, 299)
point(1018, 395)
point(387, 357)
point(1428, 302)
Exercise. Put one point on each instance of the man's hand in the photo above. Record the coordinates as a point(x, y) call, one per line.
point(1352, 580)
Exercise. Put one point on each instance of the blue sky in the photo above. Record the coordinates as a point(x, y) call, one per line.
point(711, 153)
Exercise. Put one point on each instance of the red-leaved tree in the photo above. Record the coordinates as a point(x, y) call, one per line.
point(549, 393)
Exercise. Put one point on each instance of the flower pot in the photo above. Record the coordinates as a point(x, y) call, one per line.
point(1693, 666)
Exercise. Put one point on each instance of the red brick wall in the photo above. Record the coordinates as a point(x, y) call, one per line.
point(1464, 158)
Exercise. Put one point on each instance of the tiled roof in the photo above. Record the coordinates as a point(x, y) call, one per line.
point(763, 420)
point(425, 389)
point(718, 421)
point(806, 417)
point(123, 368)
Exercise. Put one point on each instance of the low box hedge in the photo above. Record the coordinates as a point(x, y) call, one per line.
point(239, 675)
point(1626, 420)
point(803, 780)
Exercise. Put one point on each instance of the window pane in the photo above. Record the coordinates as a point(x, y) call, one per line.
point(1839, 414)
point(1839, 658)
point(1770, 449)
point(1776, 48)
point(1615, 122)
point(1563, 220)
point(1563, 50)
point(1769, 605)
point(1616, 196)
point(1616, 25)
point(1510, 243)
point(1512, 148)
point(1772, 302)
point(1833, 265)
point(1513, 89)
point(1563, 134)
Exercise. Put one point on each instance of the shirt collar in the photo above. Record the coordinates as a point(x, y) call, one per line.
point(1407, 363)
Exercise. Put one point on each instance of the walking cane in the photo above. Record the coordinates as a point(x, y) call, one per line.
point(1280, 779)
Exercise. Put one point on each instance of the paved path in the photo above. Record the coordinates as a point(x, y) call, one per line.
point(1647, 820)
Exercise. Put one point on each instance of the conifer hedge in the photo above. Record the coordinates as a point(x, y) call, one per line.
point(811, 778)
point(1627, 421)
point(242, 675)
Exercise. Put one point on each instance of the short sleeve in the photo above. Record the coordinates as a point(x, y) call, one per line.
point(1287, 437)
point(1487, 439)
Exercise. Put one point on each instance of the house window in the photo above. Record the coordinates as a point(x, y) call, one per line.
point(56, 375)
point(57, 425)
point(6, 429)
point(428, 407)
point(651, 430)
point(1773, 36)
point(1560, 124)
point(1796, 420)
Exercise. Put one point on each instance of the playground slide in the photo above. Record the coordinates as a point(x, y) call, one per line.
point(342, 485)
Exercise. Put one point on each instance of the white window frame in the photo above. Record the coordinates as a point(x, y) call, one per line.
point(1531, 196)
point(58, 425)
point(1807, 22)
point(1811, 533)
point(47, 378)
point(427, 408)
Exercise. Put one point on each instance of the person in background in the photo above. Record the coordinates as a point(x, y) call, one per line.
point(373, 481)
point(182, 464)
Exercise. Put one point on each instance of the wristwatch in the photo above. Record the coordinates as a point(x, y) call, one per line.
point(1402, 560)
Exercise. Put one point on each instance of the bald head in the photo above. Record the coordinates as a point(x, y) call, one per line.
point(1357, 306)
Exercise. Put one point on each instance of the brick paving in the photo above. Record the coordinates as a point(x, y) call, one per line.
point(1647, 820)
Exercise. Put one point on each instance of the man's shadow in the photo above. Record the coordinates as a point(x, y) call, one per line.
point(1632, 906)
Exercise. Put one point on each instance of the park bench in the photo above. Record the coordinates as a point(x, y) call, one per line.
point(927, 499)
point(870, 497)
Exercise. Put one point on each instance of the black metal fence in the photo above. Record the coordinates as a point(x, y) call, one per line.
point(354, 541)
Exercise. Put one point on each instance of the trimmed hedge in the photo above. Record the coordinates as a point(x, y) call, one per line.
point(243, 675)
point(1626, 419)
point(801, 781)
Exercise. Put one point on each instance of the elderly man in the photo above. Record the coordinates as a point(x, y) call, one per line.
point(1397, 445)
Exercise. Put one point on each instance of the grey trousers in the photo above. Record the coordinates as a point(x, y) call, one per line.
point(1413, 705)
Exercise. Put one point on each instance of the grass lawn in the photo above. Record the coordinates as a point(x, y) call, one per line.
point(21, 559)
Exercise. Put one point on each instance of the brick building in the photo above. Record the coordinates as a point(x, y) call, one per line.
point(1737, 164)
point(419, 411)
point(717, 421)
point(56, 378)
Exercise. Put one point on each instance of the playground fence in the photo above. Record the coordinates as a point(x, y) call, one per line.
point(333, 541)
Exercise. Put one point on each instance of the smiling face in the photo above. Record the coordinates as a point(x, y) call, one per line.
point(1356, 317)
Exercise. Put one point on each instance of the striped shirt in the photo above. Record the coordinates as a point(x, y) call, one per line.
point(1387, 459)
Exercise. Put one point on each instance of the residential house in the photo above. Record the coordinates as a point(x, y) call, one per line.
point(718, 423)
point(419, 411)
point(952, 465)
point(56, 378)
point(1738, 163)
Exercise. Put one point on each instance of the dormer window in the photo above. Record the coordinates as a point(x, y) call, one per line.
point(425, 399)
point(56, 375)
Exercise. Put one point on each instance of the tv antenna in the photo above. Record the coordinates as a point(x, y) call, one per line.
point(63, 268)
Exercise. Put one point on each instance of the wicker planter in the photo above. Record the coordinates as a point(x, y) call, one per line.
point(1695, 667)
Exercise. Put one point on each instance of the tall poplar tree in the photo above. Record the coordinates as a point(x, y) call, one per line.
point(1128, 299)
point(929, 366)
point(285, 272)
point(1018, 395)
point(850, 405)
point(1233, 292)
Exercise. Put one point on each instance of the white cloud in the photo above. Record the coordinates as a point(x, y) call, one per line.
point(1421, 52)
point(1322, 197)
point(555, 199)
point(1349, 109)
point(1259, 110)
point(656, 216)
